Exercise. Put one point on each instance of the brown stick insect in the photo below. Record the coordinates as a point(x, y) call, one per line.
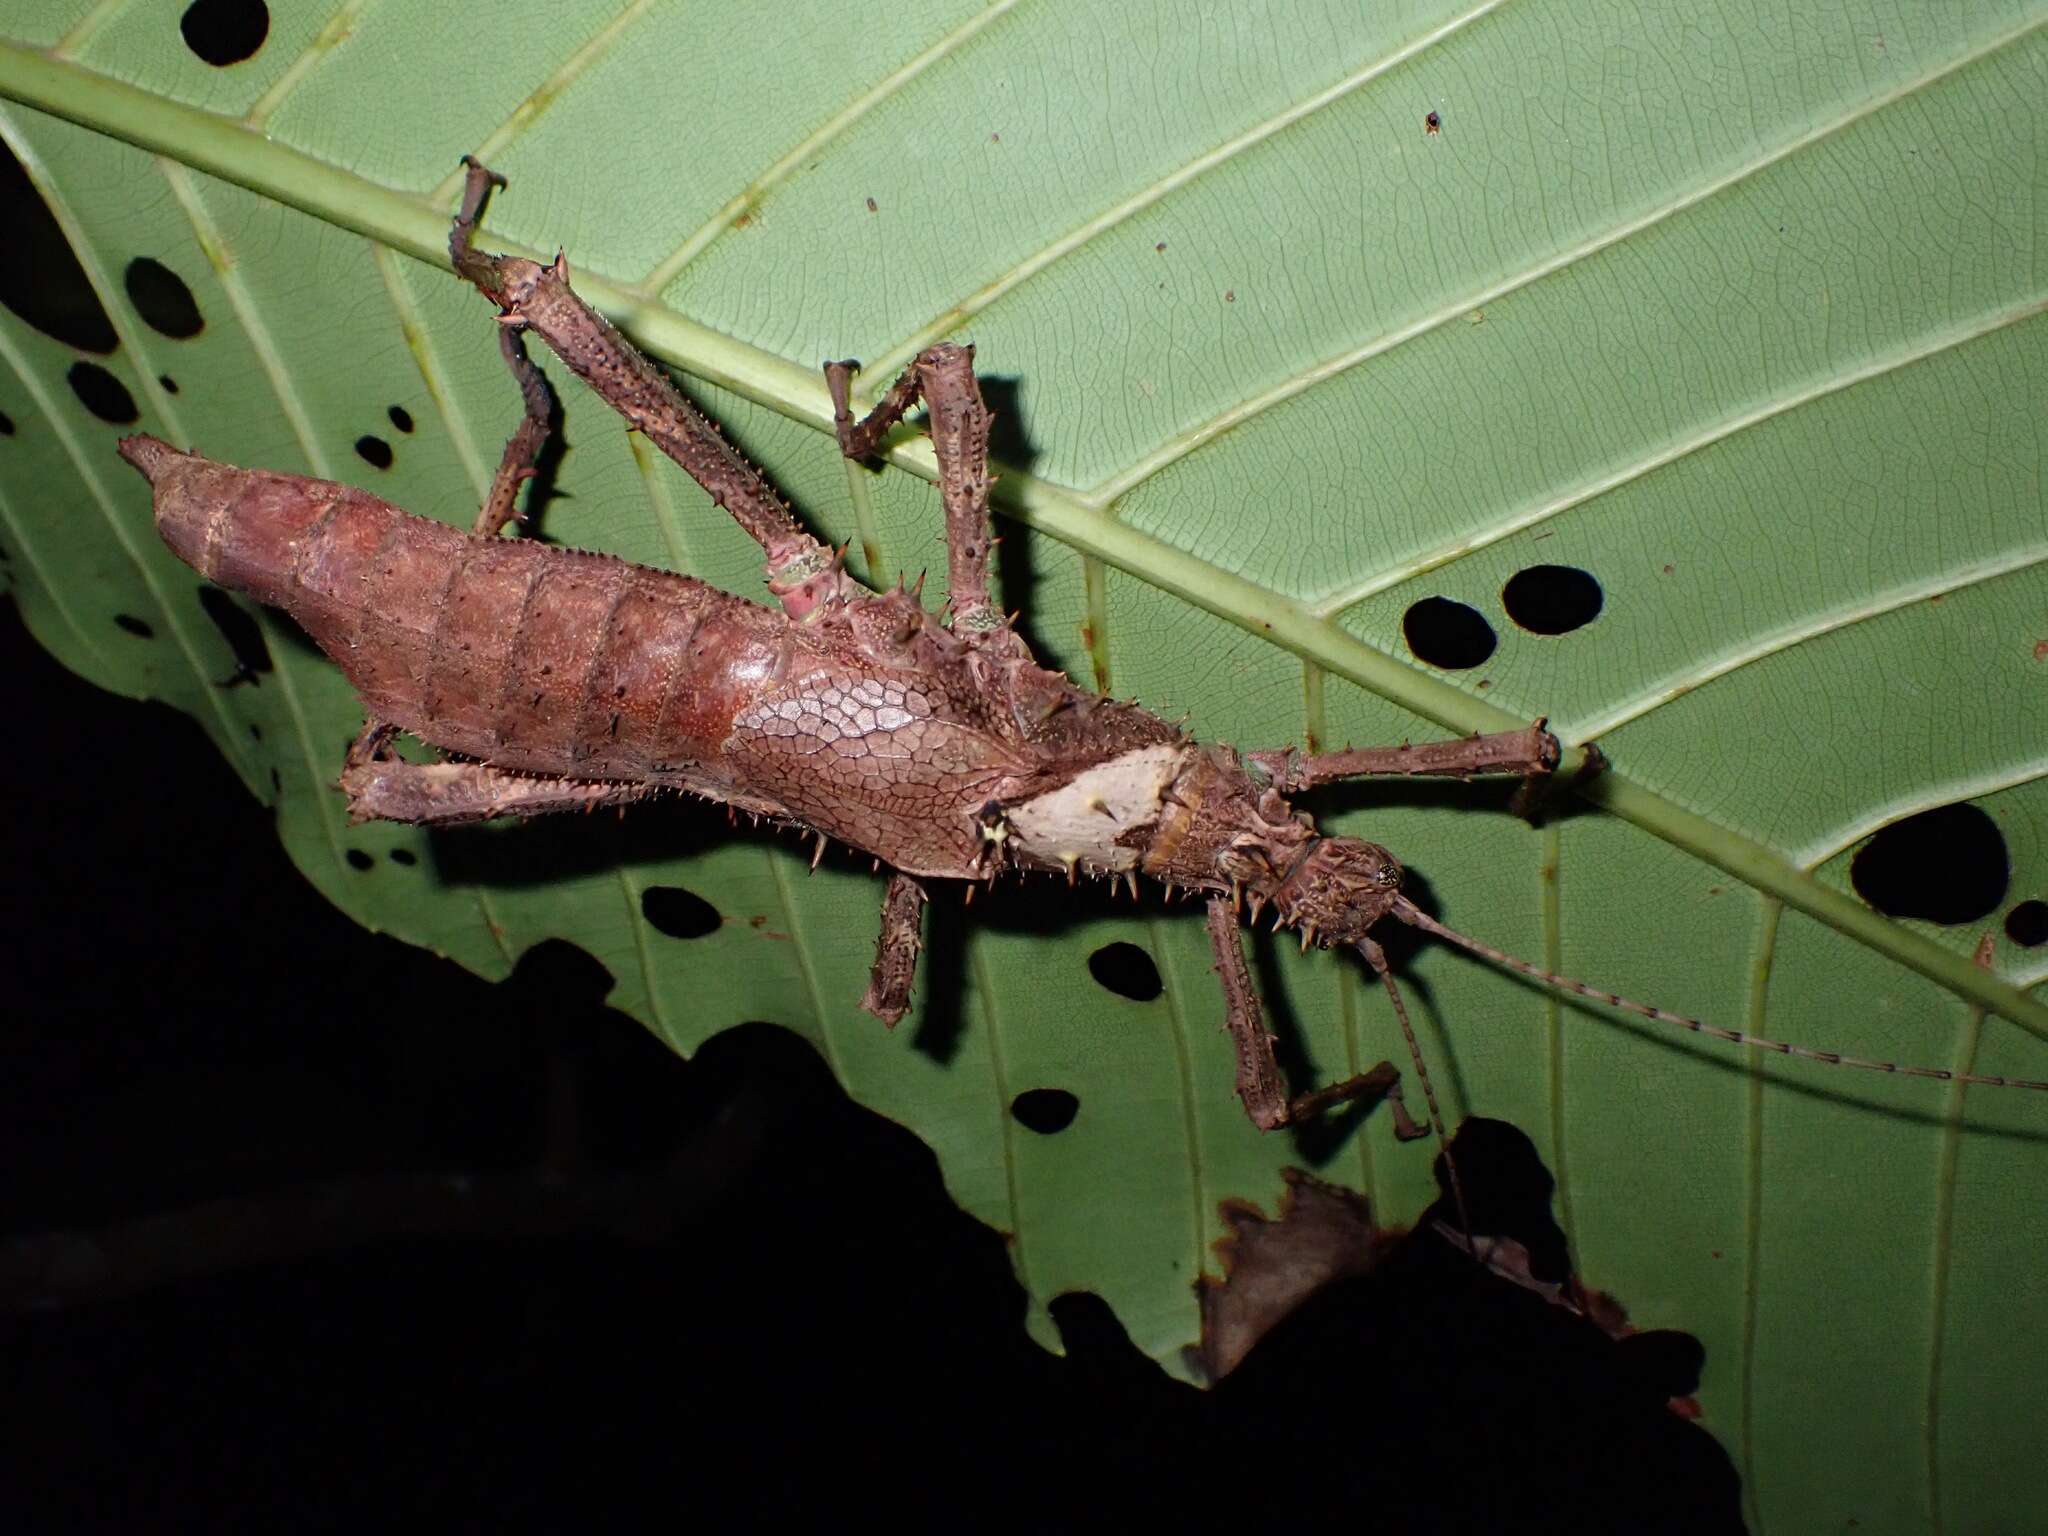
point(560, 680)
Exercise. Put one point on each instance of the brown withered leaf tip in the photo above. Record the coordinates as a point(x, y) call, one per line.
point(1323, 1233)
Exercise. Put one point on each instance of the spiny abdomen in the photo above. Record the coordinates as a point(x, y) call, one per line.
point(530, 657)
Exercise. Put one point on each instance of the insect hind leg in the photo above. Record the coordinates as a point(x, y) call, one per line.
point(802, 572)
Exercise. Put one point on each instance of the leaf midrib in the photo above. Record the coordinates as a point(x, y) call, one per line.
point(222, 147)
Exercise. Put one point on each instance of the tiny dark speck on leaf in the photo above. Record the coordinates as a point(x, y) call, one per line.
point(134, 626)
point(357, 859)
point(1230, 295)
point(1160, 246)
point(871, 206)
point(374, 451)
point(1432, 124)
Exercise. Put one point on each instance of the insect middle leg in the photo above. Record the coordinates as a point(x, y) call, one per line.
point(960, 421)
point(896, 950)
point(1259, 1081)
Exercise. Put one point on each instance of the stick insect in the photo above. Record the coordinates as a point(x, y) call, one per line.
point(559, 680)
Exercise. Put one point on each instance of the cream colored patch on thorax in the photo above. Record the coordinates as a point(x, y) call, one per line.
point(1082, 819)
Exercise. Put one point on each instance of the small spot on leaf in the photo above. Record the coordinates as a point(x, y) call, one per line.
point(1447, 634)
point(225, 32)
point(1047, 1111)
point(357, 859)
point(103, 394)
point(1127, 971)
point(401, 418)
point(2027, 924)
point(170, 385)
point(6, 425)
point(678, 913)
point(403, 856)
point(1947, 865)
point(134, 626)
point(374, 451)
point(1552, 599)
point(1432, 123)
point(162, 299)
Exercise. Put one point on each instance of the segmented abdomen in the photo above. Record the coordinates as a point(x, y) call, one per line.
point(541, 659)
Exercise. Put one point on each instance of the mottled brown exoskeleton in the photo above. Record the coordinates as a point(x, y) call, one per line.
point(561, 680)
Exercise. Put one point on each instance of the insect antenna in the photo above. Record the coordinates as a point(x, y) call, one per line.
point(1415, 917)
point(1377, 959)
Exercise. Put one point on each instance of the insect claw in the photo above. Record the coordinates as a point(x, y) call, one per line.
point(1070, 860)
point(1279, 919)
point(818, 853)
point(968, 899)
point(1131, 878)
point(1258, 905)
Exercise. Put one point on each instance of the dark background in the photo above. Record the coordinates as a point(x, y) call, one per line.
point(303, 1227)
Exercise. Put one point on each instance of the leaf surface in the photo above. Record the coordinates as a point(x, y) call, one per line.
point(1738, 310)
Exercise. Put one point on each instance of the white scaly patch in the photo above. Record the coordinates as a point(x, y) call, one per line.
point(1082, 819)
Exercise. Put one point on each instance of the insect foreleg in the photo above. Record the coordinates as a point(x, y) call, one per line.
point(1259, 1081)
point(1526, 753)
point(896, 950)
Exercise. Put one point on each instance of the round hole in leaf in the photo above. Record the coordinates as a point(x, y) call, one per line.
point(1947, 865)
point(1447, 634)
point(374, 451)
point(1552, 599)
point(678, 913)
point(1047, 1111)
point(1127, 971)
point(103, 394)
point(403, 856)
point(401, 418)
point(357, 859)
point(170, 384)
point(225, 32)
point(242, 633)
point(162, 299)
point(40, 278)
point(2027, 924)
point(134, 626)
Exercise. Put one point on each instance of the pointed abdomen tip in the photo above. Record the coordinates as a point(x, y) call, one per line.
point(148, 454)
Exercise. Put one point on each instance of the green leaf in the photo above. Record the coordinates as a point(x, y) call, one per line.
point(1739, 310)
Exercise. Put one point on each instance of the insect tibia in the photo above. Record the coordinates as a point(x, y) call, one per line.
point(1415, 917)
